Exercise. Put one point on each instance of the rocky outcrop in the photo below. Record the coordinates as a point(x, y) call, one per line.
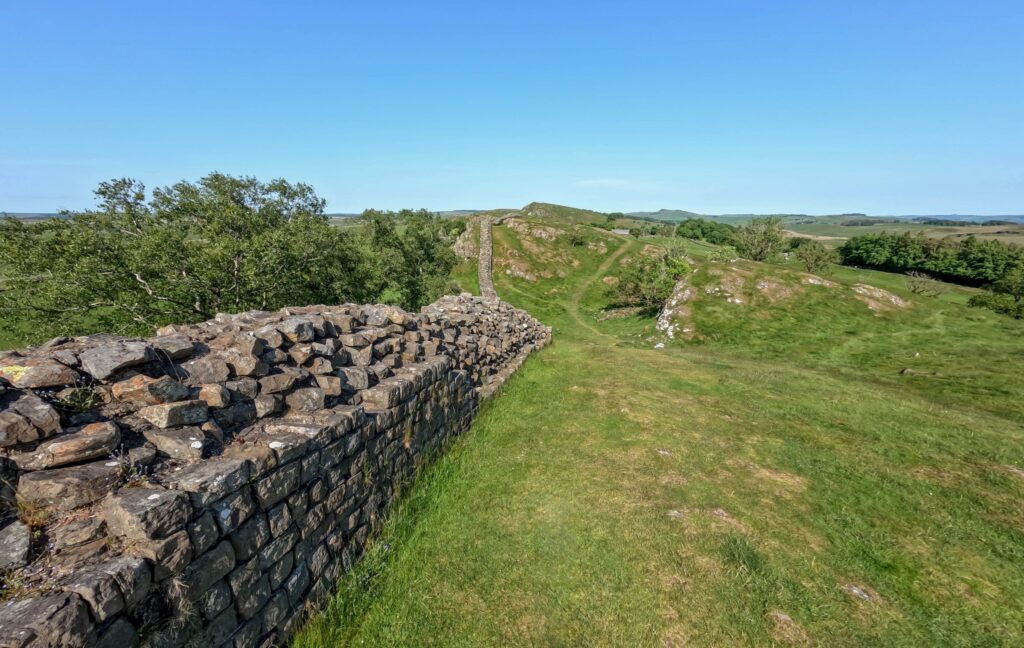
point(208, 485)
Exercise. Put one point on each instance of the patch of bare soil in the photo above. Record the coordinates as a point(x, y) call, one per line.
point(598, 247)
point(532, 230)
point(618, 313)
point(785, 629)
point(774, 290)
point(877, 299)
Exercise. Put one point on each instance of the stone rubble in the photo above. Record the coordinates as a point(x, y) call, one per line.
point(208, 485)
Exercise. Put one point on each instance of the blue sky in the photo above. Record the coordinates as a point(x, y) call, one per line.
point(814, 107)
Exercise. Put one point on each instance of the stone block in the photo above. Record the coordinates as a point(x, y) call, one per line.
point(234, 509)
point(105, 358)
point(278, 485)
point(63, 489)
point(37, 373)
point(211, 479)
point(146, 513)
point(149, 391)
point(206, 570)
point(78, 445)
point(167, 415)
point(250, 537)
point(250, 588)
point(182, 443)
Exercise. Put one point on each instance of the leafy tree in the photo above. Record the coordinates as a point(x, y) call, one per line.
point(1011, 283)
point(816, 256)
point(648, 280)
point(699, 229)
point(761, 239)
point(222, 244)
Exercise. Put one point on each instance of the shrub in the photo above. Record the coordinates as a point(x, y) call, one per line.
point(761, 239)
point(920, 283)
point(816, 256)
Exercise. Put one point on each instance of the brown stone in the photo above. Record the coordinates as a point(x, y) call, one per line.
point(182, 443)
point(174, 414)
point(36, 373)
point(149, 391)
point(79, 444)
point(214, 395)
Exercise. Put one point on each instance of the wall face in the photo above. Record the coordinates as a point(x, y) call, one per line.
point(209, 486)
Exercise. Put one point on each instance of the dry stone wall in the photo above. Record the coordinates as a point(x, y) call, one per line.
point(209, 485)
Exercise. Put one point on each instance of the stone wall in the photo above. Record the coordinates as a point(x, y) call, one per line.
point(209, 485)
point(484, 260)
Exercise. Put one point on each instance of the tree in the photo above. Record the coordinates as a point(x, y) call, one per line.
point(816, 256)
point(761, 239)
point(222, 244)
point(648, 280)
point(1011, 283)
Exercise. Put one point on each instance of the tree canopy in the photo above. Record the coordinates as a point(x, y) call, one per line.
point(222, 244)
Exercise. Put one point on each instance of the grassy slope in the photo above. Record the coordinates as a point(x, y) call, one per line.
point(618, 495)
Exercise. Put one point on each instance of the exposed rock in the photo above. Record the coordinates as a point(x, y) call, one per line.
point(79, 444)
point(103, 360)
point(308, 399)
point(215, 395)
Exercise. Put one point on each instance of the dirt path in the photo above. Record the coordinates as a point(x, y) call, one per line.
point(573, 303)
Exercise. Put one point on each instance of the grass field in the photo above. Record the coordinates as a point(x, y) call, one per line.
point(776, 482)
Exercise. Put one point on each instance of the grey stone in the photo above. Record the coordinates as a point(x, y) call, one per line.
point(203, 532)
point(233, 510)
point(215, 600)
point(206, 570)
point(297, 584)
point(106, 358)
point(99, 590)
point(279, 518)
point(208, 369)
point(250, 537)
point(120, 634)
point(182, 443)
point(169, 555)
point(297, 329)
point(280, 570)
point(250, 588)
point(308, 399)
point(39, 413)
point(67, 488)
point(57, 620)
point(237, 414)
point(175, 347)
point(278, 485)
point(276, 612)
point(211, 479)
point(133, 577)
point(142, 513)
point(15, 540)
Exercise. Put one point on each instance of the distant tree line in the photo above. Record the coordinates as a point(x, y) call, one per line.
point(992, 264)
point(222, 244)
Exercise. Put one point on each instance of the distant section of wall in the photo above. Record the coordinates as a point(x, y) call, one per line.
point(485, 260)
point(209, 485)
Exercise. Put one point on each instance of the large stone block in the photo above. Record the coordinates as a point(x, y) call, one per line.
point(63, 489)
point(146, 513)
point(106, 358)
point(79, 444)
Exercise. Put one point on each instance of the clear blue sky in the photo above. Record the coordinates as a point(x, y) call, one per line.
point(817, 107)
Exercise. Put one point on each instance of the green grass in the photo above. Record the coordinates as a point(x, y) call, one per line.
point(618, 495)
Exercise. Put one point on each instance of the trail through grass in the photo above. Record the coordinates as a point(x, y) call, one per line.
point(781, 484)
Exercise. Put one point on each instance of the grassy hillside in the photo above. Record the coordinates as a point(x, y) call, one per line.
point(777, 479)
